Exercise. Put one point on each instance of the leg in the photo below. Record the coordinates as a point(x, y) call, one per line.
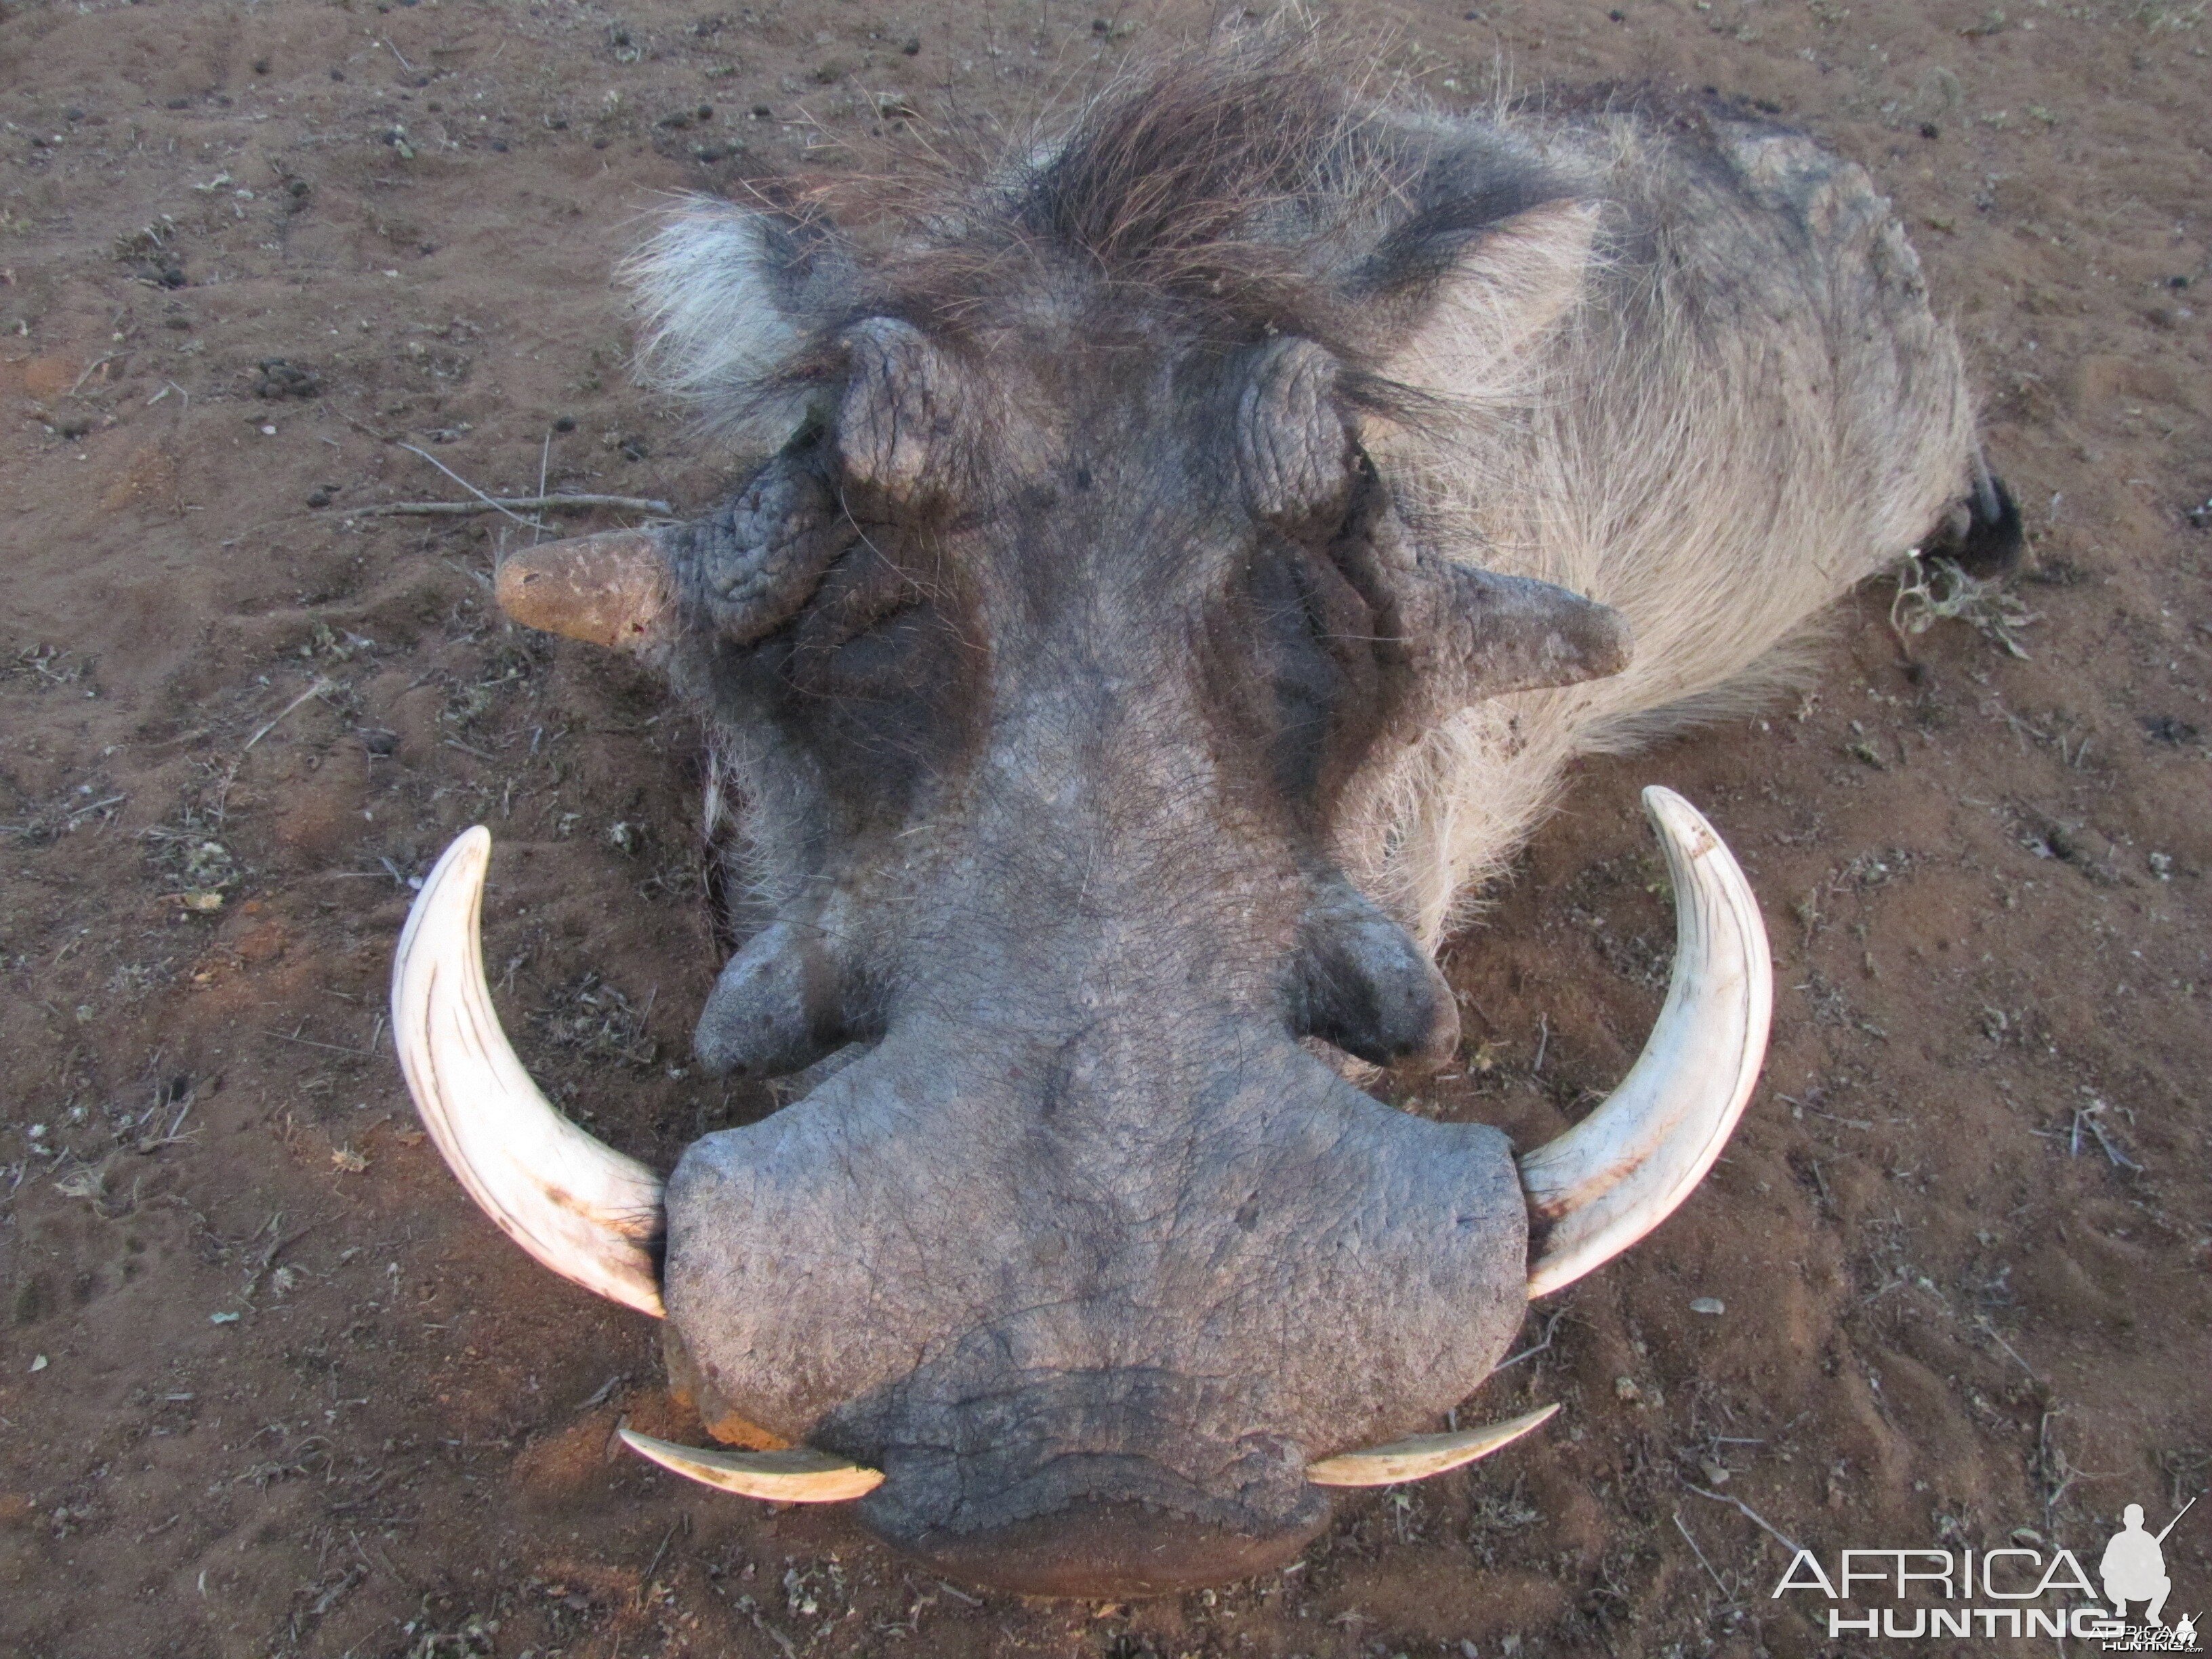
point(2157, 1600)
point(1983, 537)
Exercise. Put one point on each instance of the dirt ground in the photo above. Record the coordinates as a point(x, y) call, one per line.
point(268, 1385)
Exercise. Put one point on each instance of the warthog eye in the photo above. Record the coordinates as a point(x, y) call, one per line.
point(1319, 639)
point(867, 625)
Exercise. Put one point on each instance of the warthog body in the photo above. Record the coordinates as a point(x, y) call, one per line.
point(1138, 640)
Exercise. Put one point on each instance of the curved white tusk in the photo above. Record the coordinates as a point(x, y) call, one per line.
point(584, 1210)
point(1623, 1169)
point(799, 1476)
point(1420, 1455)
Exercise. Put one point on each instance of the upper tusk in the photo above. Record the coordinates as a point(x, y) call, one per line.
point(583, 1209)
point(798, 1475)
point(611, 589)
point(1420, 1455)
point(1623, 1169)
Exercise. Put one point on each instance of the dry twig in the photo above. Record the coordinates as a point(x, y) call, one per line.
point(1700, 1554)
point(1749, 1514)
point(513, 506)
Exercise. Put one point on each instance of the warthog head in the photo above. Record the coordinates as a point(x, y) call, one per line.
point(1053, 649)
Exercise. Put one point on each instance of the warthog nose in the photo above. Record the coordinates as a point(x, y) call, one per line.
point(1109, 1548)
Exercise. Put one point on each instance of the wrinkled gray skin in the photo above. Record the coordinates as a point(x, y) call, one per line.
point(1047, 657)
point(1087, 1255)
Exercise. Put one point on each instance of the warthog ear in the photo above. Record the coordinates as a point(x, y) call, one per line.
point(1479, 634)
point(1501, 634)
point(725, 296)
point(612, 589)
point(1472, 338)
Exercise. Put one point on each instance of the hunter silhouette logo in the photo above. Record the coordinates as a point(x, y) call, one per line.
point(2134, 1568)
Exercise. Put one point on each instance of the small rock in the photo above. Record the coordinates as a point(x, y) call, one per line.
point(39, 1364)
point(1625, 1388)
point(222, 1319)
point(1707, 1304)
point(280, 379)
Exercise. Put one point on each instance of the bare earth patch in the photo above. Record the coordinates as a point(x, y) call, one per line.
point(270, 1385)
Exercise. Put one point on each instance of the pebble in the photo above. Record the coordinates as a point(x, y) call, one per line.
point(1707, 1304)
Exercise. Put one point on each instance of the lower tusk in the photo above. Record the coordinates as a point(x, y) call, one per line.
point(1624, 1168)
point(800, 1475)
point(1418, 1456)
point(583, 1209)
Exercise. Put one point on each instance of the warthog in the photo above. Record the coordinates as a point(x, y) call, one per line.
point(1186, 560)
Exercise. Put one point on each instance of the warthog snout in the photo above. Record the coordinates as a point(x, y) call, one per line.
point(1143, 1268)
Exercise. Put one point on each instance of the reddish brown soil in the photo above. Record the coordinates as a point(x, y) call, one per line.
point(269, 1386)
